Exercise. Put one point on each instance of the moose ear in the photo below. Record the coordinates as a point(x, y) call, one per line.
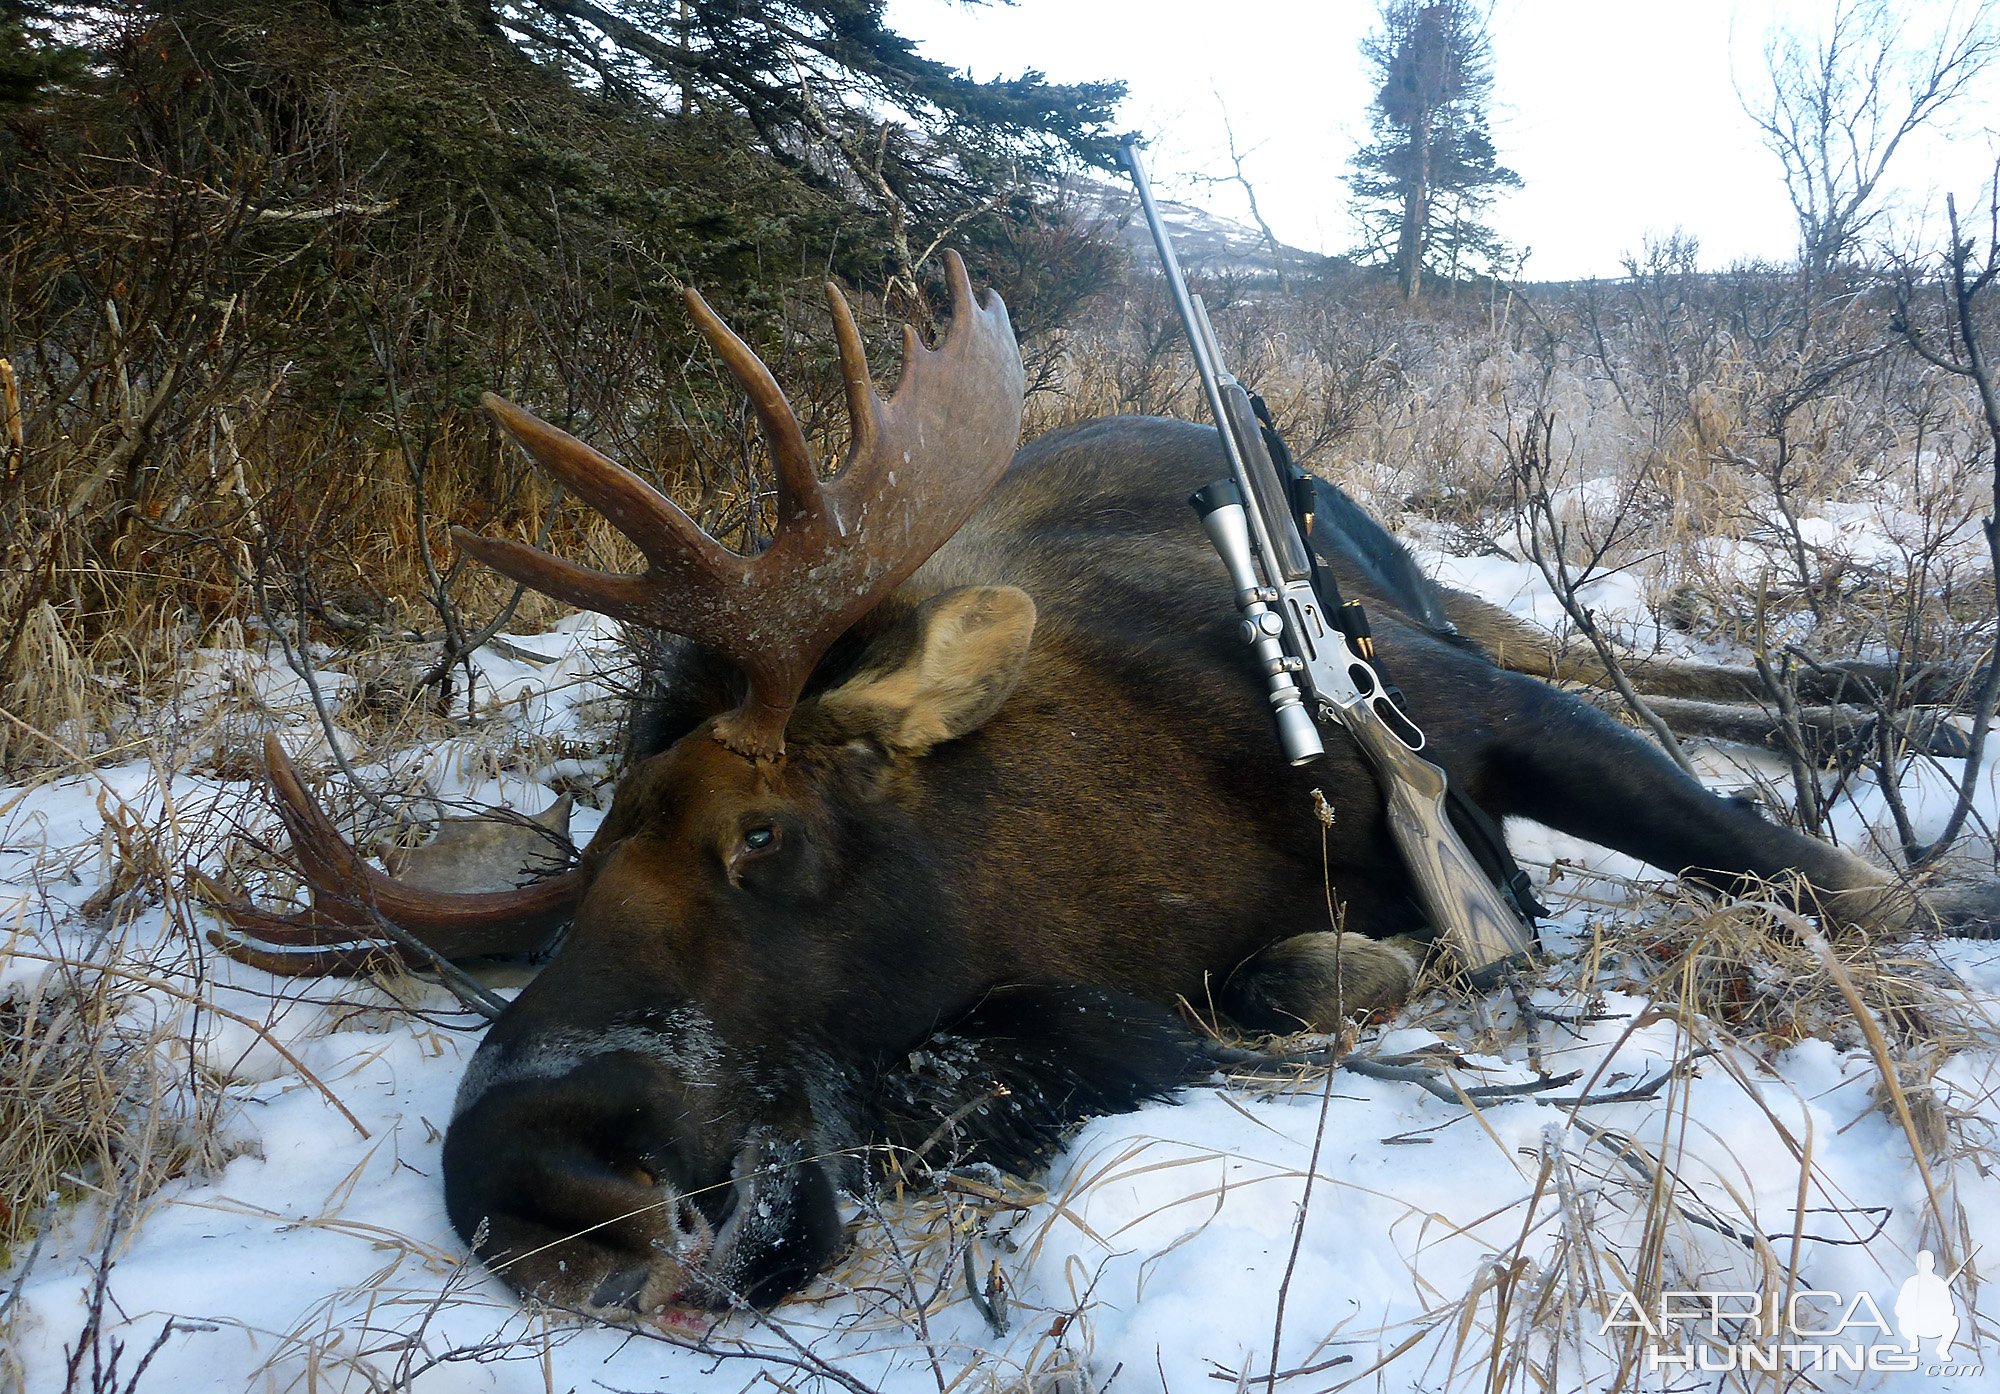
point(940, 674)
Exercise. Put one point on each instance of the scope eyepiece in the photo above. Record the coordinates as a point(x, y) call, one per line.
point(1209, 497)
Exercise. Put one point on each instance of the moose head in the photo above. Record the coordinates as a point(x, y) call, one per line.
point(653, 1118)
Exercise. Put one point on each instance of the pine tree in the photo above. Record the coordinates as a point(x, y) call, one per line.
point(32, 58)
point(1430, 172)
point(848, 102)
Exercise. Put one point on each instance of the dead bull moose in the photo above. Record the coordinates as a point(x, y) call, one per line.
point(939, 808)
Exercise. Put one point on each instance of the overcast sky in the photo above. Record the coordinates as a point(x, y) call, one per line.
point(1621, 116)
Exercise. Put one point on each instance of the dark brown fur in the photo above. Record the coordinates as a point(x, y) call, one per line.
point(1014, 861)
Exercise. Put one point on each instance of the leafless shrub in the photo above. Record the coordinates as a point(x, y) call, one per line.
point(1574, 548)
point(1959, 348)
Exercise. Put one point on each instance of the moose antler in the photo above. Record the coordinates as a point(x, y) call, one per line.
point(918, 465)
point(351, 899)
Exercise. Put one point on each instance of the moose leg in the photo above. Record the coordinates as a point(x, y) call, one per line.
point(1314, 981)
point(1561, 762)
point(1515, 644)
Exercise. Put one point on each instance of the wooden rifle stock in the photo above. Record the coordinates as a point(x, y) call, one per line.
point(1482, 930)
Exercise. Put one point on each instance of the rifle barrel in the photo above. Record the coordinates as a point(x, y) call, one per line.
point(1207, 359)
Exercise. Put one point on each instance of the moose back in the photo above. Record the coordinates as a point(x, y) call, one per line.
point(941, 811)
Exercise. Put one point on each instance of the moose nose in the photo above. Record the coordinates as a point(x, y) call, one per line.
point(639, 1164)
point(581, 1186)
point(621, 1291)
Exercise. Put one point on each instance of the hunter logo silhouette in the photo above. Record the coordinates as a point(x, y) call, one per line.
point(1924, 1309)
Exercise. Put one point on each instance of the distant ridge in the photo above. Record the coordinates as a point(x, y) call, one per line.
point(1204, 241)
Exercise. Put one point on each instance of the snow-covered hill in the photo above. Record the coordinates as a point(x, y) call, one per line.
point(1205, 241)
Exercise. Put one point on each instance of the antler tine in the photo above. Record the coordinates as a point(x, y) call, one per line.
point(967, 320)
point(627, 598)
point(861, 399)
point(798, 477)
point(686, 565)
point(649, 518)
point(963, 306)
point(323, 853)
point(974, 331)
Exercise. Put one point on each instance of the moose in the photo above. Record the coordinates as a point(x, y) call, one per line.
point(942, 814)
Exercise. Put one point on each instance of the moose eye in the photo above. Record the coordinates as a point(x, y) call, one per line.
point(776, 860)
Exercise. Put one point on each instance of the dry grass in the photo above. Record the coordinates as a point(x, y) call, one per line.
point(1605, 1214)
point(101, 1092)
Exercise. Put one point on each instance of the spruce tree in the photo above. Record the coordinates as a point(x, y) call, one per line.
point(829, 89)
point(32, 57)
point(1422, 183)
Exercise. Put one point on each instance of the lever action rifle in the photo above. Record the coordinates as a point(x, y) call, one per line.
point(1251, 519)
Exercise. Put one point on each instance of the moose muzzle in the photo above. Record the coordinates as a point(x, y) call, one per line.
point(641, 1165)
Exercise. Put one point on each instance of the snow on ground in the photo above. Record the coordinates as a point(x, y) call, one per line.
point(1369, 1231)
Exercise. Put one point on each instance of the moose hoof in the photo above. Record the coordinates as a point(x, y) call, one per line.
point(1965, 908)
point(1314, 981)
